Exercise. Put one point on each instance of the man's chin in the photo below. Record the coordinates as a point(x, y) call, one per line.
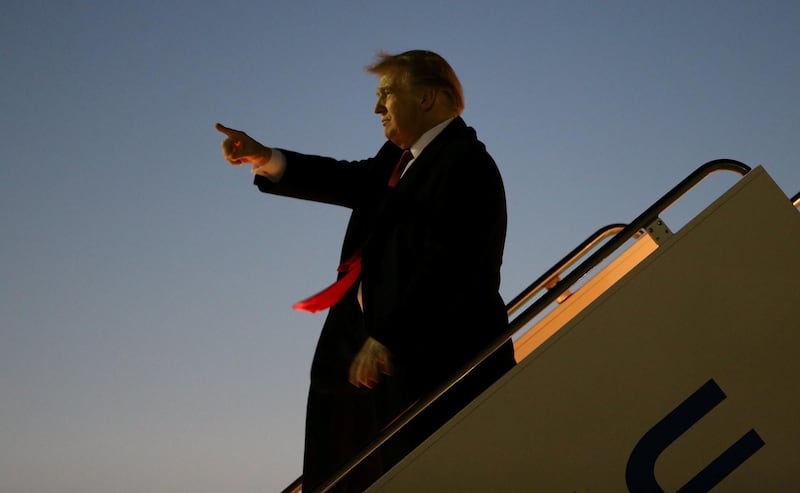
point(391, 136)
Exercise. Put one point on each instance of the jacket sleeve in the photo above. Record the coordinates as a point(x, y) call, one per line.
point(328, 180)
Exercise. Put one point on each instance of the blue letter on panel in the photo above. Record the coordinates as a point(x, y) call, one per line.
point(640, 471)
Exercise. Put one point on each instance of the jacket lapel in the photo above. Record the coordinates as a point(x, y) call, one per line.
point(422, 163)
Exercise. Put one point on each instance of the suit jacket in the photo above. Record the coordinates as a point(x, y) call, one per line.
point(432, 249)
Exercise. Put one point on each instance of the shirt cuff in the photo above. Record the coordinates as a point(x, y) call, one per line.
point(274, 168)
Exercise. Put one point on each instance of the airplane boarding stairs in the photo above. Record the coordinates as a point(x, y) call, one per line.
point(661, 362)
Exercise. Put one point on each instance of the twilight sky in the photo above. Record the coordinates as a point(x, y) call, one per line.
point(147, 340)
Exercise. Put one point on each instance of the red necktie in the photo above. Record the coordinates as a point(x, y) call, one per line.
point(397, 172)
point(352, 266)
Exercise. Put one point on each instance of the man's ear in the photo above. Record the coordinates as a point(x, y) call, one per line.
point(428, 97)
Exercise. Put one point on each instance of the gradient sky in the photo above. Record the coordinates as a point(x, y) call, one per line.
point(147, 340)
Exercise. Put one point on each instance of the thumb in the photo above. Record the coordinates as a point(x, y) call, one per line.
point(384, 364)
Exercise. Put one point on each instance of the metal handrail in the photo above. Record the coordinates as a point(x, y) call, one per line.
point(552, 275)
point(629, 231)
point(796, 199)
point(295, 486)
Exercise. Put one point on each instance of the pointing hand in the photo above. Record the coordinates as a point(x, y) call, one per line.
point(240, 148)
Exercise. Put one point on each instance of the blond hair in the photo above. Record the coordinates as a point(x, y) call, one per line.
point(422, 68)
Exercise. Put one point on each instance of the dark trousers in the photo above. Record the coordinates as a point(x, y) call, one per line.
point(338, 427)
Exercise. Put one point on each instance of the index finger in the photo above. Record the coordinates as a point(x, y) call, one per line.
point(227, 131)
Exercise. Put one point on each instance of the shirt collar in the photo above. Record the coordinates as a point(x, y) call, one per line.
point(427, 138)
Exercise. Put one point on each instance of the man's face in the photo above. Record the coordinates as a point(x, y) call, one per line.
point(400, 109)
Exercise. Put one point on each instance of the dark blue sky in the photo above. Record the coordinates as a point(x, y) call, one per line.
point(147, 340)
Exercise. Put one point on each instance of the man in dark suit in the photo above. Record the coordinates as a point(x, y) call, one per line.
point(429, 248)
